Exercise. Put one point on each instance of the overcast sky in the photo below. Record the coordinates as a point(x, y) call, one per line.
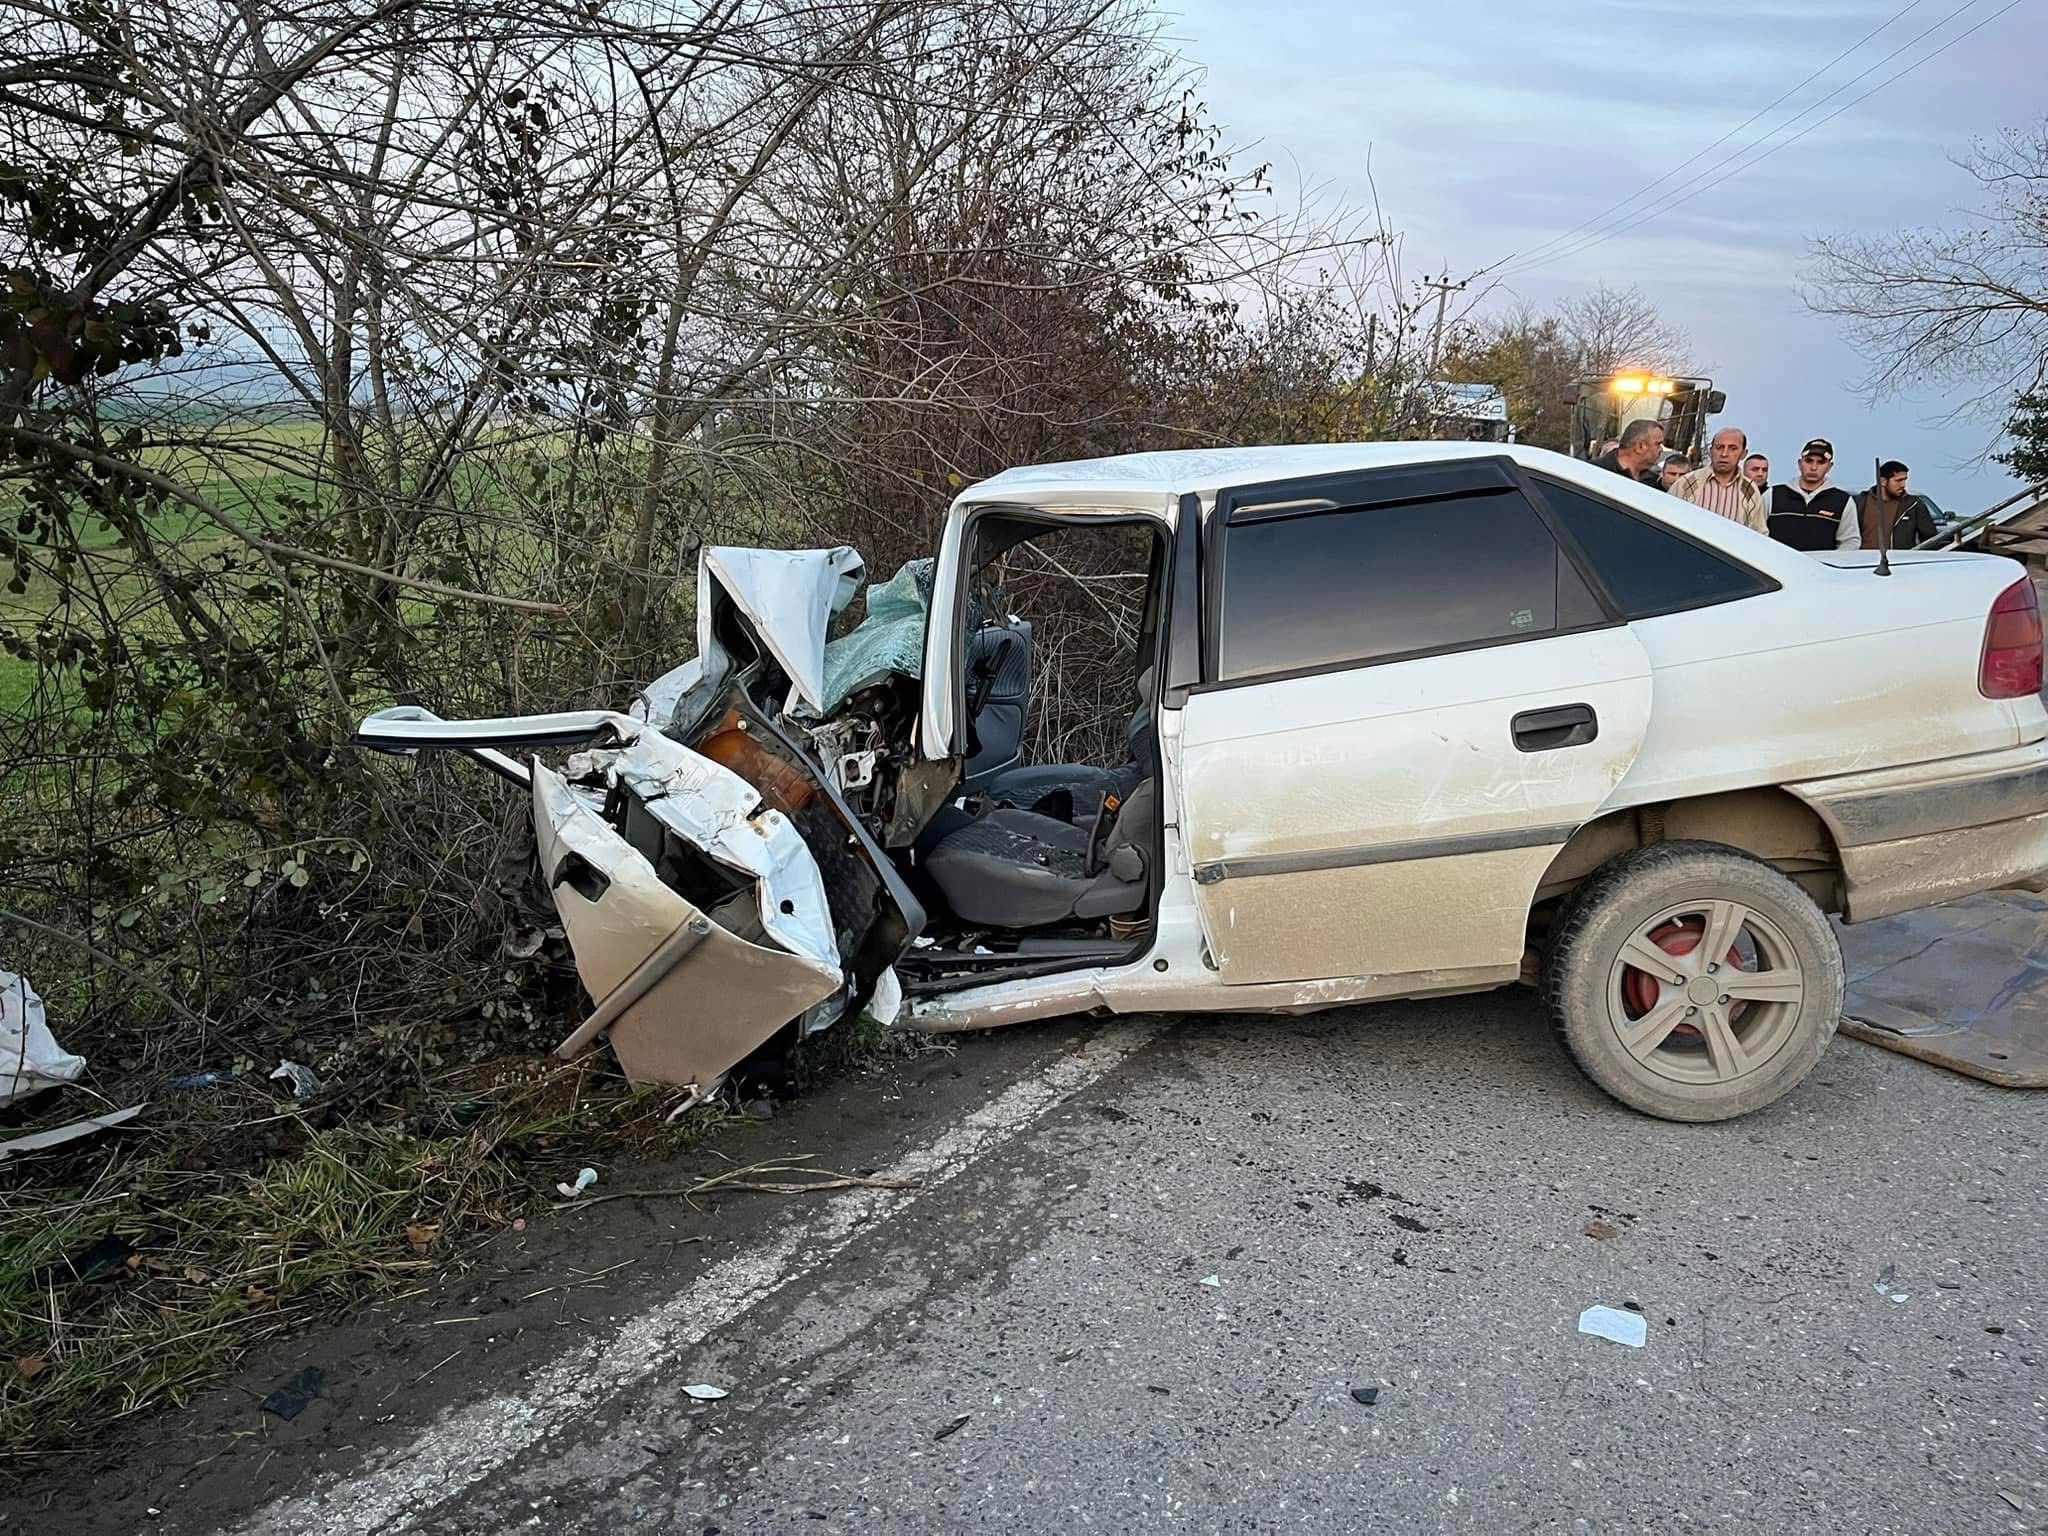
point(1497, 125)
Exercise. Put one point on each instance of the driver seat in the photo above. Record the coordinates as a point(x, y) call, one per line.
point(1017, 869)
point(1032, 784)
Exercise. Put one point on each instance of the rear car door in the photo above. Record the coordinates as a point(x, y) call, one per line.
point(1412, 696)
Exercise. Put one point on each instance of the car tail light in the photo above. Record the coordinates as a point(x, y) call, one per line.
point(2011, 668)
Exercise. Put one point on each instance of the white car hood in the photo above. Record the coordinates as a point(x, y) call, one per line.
point(789, 597)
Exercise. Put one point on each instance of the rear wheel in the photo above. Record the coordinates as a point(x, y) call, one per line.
point(1693, 981)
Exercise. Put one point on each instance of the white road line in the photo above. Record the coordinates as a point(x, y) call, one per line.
point(402, 1486)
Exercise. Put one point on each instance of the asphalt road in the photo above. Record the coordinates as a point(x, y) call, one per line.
point(1392, 1197)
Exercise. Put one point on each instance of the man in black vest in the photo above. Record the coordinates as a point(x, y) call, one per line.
point(1812, 514)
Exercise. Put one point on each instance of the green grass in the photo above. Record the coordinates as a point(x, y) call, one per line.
point(213, 1263)
point(196, 1268)
point(246, 476)
point(236, 1220)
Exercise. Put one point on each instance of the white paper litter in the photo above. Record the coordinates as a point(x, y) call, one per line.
point(584, 1180)
point(1629, 1328)
point(704, 1393)
point(887, 1003)
point(1214, 1282)
point(30, 1057)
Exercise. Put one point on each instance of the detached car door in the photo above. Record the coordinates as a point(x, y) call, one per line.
point(1412, 696)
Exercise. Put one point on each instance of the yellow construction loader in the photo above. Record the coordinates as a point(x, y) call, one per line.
point(1603, 405)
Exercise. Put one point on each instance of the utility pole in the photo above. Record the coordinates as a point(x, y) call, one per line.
point(1444, 289)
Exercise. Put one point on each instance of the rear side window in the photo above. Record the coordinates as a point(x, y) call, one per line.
point(1649, 570)
point(1359, 584)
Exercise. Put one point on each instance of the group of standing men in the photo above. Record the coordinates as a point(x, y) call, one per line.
point(1809, 512)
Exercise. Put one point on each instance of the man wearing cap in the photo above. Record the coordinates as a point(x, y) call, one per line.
point(1811, 513)
point(1887, 501)
point(1722, 487)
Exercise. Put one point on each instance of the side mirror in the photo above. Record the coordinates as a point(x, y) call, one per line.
point(1571, 394)
point(1717, 401)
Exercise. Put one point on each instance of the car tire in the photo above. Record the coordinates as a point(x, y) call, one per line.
point(1687, 1034)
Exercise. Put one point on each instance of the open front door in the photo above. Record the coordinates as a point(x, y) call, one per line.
point(1413, 699)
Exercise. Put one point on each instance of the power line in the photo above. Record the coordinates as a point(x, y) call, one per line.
point(1614, 208)
point(1681, 195)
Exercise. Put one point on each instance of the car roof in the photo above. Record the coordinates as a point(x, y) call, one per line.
point(1151, 482)
point(1142, 478)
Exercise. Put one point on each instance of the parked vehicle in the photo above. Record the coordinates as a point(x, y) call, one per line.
point(1476, 413)
point(1407, 719)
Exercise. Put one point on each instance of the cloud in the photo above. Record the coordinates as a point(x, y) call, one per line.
point(1495, 128)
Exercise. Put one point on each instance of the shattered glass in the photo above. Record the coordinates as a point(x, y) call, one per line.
point(889, 640)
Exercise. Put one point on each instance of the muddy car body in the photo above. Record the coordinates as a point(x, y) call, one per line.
point(1407, 719)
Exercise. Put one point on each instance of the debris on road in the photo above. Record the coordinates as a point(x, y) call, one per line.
point(1366, 1395)
point(2012, 1499)
point(1600, 1230)
point(1629, 1328)
point(33, 1058)
point(290, 1400)
point(305, 1082)
point(953, 1426)
point(56, 1136)
point(217, 1077)
point(704, 1392)
point(1961, 986)
point(584, 1180)
point(748, 1179)
point(1214, 1282)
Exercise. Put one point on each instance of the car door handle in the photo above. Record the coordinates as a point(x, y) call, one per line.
point(1562, 725)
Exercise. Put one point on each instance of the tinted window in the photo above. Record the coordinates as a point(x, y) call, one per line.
point(1368, 582)
point(1650, 570)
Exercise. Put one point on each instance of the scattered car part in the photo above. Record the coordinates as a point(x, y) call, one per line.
point(1962, 986)
point(305, 1082)
point(57, 1136)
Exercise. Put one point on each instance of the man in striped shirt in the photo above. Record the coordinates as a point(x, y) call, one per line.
point(1722, 487)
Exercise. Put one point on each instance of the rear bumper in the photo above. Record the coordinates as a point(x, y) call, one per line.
point(1921, 835)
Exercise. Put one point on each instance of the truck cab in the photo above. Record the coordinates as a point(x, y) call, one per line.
point(1603, 405)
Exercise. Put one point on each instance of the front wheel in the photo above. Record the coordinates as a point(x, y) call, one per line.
point(1693, 981)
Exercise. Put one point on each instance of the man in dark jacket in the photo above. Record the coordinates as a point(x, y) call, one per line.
point(1887, 501)
point(1639, 447)
point(1814, 514)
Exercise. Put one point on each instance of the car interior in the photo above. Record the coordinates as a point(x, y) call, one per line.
point(1039, 861)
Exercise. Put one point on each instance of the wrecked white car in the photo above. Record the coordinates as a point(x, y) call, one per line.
point(1405, 719)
